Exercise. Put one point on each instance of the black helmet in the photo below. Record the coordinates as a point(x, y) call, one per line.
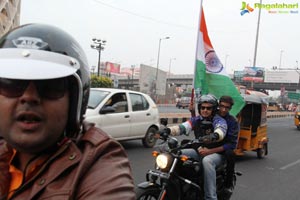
point(38, 51)
point(209, 98)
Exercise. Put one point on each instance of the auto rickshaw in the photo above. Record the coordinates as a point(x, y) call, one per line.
point(297, 117)
point(253, 126)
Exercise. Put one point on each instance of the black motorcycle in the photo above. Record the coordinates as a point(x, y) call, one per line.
point(178, 173)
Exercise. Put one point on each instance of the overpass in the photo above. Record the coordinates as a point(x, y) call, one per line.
point(187, 79)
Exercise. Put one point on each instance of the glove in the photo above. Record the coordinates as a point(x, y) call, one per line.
point(211, 138)
point(165, 133)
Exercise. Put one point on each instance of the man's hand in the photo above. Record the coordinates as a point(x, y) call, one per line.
point(164, 133)
point(192, 109)
point(156, 135)
point(203, 151)
point(207, 139)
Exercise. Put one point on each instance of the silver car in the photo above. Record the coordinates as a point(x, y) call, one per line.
point(124, 114)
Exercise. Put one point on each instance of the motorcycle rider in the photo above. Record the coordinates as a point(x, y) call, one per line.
point(213, 137)
point(47, 151)
point(230, 140)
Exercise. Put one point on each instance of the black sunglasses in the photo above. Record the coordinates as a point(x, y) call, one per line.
point(206, 108)
point(49, 89)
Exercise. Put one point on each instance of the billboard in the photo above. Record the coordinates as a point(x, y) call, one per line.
point(130, 70)
point(281, 77)
point(253, 74)
point(148, 81)
point(112, 67)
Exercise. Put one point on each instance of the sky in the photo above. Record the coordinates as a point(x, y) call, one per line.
point(133, 28)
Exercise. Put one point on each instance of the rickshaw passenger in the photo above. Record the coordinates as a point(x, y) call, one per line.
point(246, 120)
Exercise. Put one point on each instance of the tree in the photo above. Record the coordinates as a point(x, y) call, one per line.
point(102, 81)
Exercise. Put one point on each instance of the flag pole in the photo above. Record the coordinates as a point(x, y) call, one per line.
point(210, 75)
point(193, 99)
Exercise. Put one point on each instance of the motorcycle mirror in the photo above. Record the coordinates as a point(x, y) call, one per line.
point(164, 121)
point(172, 142)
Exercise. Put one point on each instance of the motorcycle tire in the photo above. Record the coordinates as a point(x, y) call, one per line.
point(147, 194)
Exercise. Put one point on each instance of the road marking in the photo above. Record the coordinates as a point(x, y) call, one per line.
point(290, 165)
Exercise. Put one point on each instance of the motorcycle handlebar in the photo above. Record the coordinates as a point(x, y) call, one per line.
point(198, 142)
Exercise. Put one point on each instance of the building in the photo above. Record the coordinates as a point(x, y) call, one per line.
point(9, 15)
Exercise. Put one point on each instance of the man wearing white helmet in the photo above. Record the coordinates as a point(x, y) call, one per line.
point(47, 151)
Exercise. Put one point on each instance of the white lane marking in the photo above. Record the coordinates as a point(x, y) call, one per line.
point(290, 165)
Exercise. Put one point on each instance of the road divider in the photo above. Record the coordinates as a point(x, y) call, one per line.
point(177, 118)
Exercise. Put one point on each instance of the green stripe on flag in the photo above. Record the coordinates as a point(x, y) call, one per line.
point(218, 85)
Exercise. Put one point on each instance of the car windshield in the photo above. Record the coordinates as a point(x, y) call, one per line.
point(96, 96)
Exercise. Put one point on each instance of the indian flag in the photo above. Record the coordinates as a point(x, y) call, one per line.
point(210, 75)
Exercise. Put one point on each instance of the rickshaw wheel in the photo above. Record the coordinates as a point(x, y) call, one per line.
point(262, 152)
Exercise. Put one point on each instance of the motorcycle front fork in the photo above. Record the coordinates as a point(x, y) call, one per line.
point(163, 192)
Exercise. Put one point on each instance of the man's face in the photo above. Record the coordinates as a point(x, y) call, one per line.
point(224, 108)
point(31, 123)
point(206, 110)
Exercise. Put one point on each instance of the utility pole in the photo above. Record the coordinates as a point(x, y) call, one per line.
point(132, 72)
point(280, 58)
point(256, 41)
point(99, 46)
point(157, 65)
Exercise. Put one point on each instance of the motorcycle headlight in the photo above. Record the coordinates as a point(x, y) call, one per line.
point(162, 161)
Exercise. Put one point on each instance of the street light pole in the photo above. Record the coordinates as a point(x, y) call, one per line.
point(169, 73)
point(226, 56)
point(132, 69)
point(93, 69)
point(257, 33)
point(256, 41)
point(281, 51)
point(99, 46)
point(170, 65)
point(157, 64)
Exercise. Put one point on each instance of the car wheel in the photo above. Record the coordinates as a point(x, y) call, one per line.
point(149, 140)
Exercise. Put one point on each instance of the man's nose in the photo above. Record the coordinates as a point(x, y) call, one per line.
point(31, 93)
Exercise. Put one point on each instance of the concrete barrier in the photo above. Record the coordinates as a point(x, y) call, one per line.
point(177, 118)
